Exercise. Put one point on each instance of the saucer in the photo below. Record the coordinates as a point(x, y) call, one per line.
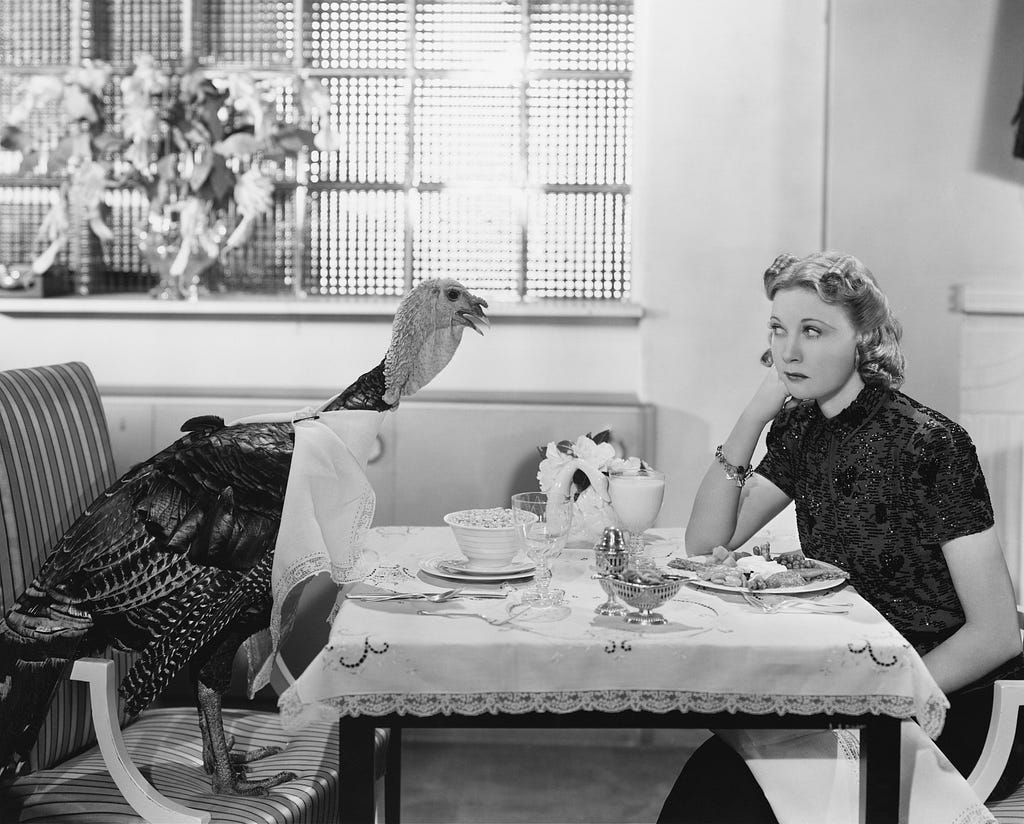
point(463, 566)
point(444, 568)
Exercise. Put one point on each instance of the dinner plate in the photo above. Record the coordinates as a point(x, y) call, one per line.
point(461, 566)
point(438, 566)
point(811, 586)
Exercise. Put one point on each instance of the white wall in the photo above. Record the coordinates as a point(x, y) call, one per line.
point(729, 120)
point(923, 186)
point(318, 355)
point(739, 157)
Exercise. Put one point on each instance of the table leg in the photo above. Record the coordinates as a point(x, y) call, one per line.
point(393, 779)
point(355, 761)
point(880, 769)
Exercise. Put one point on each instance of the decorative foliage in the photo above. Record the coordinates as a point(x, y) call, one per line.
point(591, 512)
point(595, 450)
point(194, 143)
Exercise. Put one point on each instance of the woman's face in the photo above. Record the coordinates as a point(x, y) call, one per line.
point(814, 346)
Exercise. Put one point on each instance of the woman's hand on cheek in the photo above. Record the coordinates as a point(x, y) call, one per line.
point(769, 398)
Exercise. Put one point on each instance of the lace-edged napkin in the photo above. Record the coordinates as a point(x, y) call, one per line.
point(328, 508)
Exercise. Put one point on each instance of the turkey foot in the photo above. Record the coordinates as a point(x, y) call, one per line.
point(238, 758)
point(227, 769)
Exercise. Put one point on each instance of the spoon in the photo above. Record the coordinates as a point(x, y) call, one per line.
point(494, 622)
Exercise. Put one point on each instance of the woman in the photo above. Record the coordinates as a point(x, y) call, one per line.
point(885, 487)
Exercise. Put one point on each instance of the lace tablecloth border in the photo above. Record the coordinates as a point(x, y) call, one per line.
point(295, 713)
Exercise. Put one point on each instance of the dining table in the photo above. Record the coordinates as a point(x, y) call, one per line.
point(720, 661)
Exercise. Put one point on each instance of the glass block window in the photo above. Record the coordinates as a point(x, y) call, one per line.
point(117, 30)
point(486, 140)
point(249, 32)
point(507, 126)
point(358, 242)
point(22, 208)
point(28, 32)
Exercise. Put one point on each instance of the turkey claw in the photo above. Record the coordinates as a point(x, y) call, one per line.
point(242, 786)
point(249, 756)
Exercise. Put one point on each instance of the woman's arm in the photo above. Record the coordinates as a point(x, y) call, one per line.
point(725, 514)
point(990, 635)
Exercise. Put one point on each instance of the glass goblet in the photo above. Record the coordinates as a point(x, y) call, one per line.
point(636, 496)
point(542, 523)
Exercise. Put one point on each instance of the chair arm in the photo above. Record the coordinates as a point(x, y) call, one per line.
point(1007, 698)
point(137, 791)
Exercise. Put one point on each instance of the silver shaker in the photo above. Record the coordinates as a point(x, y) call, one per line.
point(611, 558)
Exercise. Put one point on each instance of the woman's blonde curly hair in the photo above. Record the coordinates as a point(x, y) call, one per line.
point(842, 280)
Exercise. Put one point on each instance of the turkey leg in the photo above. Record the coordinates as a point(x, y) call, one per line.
point(227, 769)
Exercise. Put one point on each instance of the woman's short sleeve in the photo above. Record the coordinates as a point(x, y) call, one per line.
point(780, 461)
point(948, 486)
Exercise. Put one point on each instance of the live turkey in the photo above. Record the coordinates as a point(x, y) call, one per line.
point(174, 560)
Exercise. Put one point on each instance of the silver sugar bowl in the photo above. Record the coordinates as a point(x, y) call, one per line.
point(611, 558)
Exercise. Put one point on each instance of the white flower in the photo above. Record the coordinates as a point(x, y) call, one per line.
point(591, 511)
point(147, 79)
point(592, 514)
point(618, 464)
point(254, 193)
point(54, 230)
point(56, 223)
point(551, 467)
point(595, 454)
point(248, 99)
point(45, 85)
point(139, 124)
point(91, 76)
point(198, 236)
point(79, 105)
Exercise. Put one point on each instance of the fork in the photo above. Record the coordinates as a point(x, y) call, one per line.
point(795, 605)
point(432, 597)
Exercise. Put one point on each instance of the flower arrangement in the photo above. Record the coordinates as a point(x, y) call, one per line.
point(580, 468)
point(207, 151)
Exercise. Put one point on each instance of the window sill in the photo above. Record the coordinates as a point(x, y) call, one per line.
point(289, 308)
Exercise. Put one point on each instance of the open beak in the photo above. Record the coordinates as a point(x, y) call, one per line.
point(475, 318)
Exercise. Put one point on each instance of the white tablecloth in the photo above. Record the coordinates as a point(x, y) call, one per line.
point(717, 653)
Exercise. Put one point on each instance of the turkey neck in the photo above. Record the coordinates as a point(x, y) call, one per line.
point(367, 392)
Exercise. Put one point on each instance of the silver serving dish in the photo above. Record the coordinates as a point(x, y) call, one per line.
point(645, 598)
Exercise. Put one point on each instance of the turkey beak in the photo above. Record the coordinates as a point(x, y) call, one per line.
point(474, 317)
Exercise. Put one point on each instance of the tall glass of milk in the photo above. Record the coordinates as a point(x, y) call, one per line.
point(636, 498)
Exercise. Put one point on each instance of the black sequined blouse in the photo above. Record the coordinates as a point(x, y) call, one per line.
point(878, 489)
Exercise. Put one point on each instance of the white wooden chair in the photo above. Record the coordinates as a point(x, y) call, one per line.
point(1006, 703)
point(55, 458)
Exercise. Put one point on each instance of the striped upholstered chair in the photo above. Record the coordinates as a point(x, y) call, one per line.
point(55, 458)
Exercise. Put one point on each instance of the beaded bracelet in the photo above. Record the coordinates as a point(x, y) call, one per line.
point(738, 474)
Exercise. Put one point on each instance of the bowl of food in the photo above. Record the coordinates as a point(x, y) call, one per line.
point(645, 591)
point(487, 537)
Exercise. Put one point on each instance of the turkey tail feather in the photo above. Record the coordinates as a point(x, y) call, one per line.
point(26, 690)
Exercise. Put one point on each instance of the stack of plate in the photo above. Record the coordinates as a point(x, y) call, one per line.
point(461, 569)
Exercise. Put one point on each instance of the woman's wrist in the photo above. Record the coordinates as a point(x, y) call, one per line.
point(739, 474)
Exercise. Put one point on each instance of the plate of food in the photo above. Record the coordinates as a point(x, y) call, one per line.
point(791, 573)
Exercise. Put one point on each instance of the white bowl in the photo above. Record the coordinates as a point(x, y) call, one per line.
point(485, 536)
